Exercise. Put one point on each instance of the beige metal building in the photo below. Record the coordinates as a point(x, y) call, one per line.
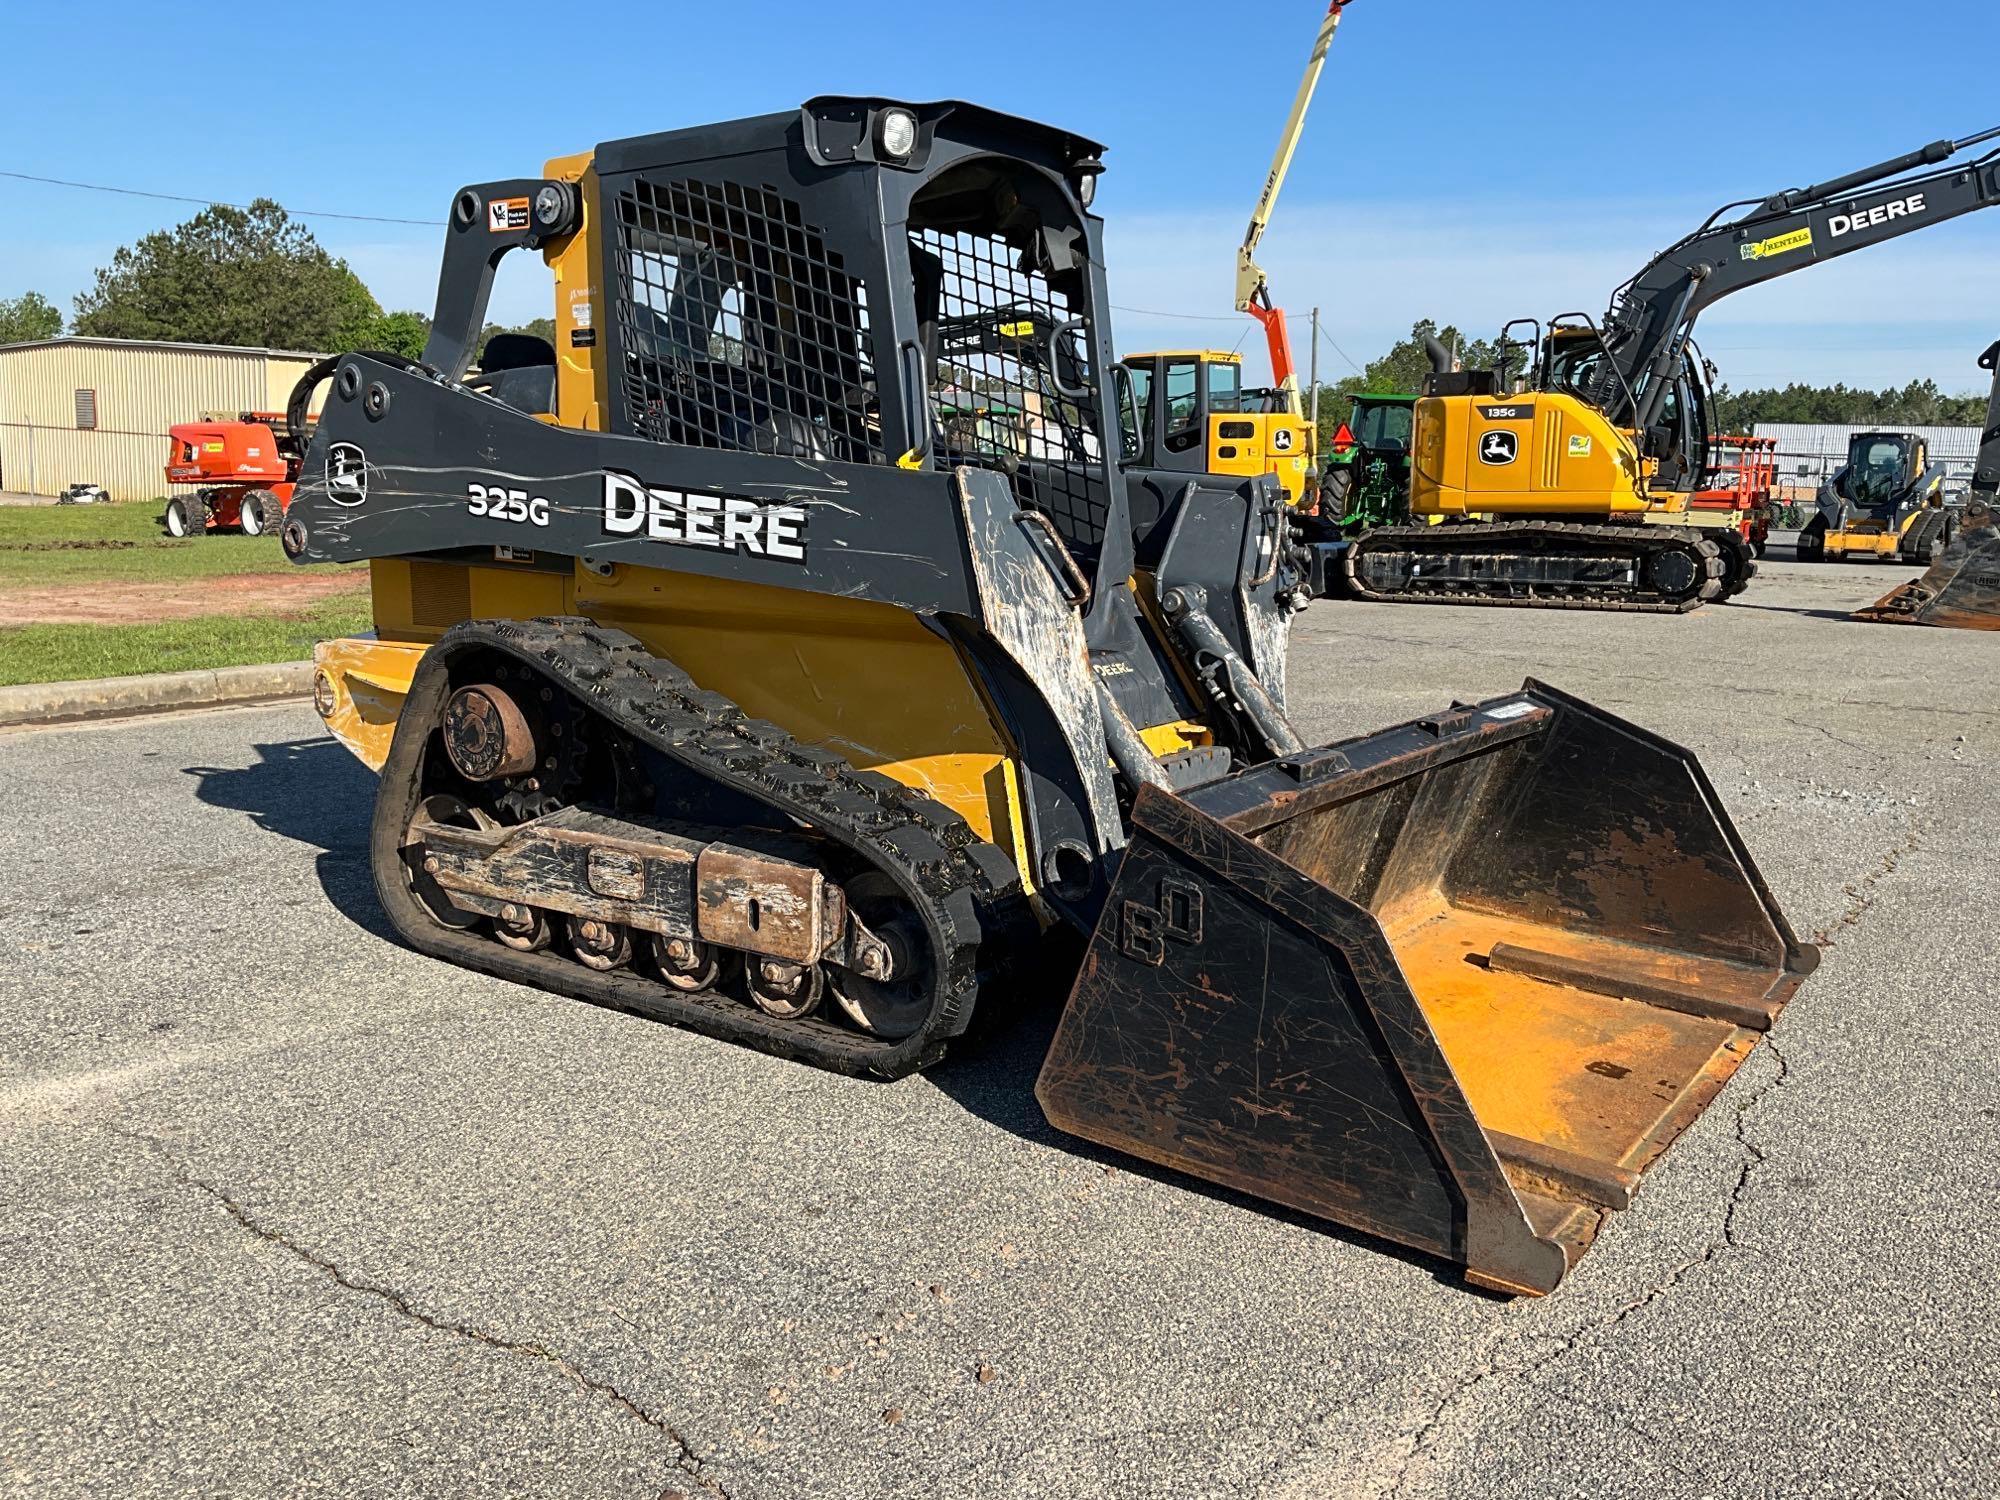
point(96, 411)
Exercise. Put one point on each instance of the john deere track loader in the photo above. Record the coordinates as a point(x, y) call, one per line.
point(1961, 588)
point(1885, 504)
point(725, 673)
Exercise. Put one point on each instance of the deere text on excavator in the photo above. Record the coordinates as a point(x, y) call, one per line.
point(726, 674)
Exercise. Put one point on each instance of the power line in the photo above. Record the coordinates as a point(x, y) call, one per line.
point(297, 213)
point(1341, 352)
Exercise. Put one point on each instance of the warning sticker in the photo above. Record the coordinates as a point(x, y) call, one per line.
point(1017, 330)
point(1778, 244)
point(1579, 447)
point(504, 214)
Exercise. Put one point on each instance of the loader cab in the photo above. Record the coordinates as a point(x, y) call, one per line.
point(1881, 468)
point(1188, 411)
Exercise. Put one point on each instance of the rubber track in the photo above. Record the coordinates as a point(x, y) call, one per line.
point(1657, 538)
point(961, 882)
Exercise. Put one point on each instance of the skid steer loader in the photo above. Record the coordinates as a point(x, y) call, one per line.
point(727, 677)
point(1961, 588)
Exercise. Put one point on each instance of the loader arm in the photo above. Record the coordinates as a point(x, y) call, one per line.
point(1253, 291)
point(1652, 316)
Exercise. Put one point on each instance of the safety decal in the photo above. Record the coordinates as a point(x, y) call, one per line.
point(506, 214)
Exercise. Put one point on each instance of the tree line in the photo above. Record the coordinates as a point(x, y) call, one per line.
point(252, 277)
point(1921, 403)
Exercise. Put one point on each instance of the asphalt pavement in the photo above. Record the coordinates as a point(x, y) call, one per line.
point(286, 1209)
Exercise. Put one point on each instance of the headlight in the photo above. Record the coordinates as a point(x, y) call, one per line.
point(896, 133)
point(1083, 179)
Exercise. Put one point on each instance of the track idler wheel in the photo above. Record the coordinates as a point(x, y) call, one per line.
point(789, 992)
point(523, 928)
point(687, 964)
point(603, 946)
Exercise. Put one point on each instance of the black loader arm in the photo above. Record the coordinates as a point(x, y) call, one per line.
point(1653, 315)
point(1986, 467)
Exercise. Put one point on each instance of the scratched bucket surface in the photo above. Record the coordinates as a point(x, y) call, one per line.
point(1456, 984)
point(1960, 591)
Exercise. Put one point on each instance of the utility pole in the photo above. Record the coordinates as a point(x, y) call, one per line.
point(1312, 401)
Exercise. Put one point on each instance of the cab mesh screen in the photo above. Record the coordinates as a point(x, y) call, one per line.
point(738, 327)
point(1004, 364)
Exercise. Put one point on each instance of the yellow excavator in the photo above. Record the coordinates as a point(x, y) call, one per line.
point(1564, 480)
point(788, 653)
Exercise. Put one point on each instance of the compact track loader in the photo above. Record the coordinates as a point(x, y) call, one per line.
point(1961, 588)
point(789, 652)
point(1885, 504)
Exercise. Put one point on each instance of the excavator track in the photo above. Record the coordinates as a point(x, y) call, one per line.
point(960, 891)
point(1542, 565)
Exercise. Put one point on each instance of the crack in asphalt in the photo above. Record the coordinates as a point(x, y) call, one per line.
point(1754, 1156)
point(684, 1455)
point(1861, 893)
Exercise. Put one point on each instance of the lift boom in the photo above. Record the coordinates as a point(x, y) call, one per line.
point(1253, 290)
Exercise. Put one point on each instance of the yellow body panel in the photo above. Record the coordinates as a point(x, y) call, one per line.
point(1535, 454)
point(580, 310)
point(865, 680)
point(1862, 543)
point(1253, 443)
point(368, 681)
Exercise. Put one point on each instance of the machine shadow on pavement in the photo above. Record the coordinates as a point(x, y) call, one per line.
point(314, 792)
point(991, 1076)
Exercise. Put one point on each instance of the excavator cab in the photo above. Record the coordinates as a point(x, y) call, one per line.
point(825, 656)
point(1885, 504)
point(1187, 411)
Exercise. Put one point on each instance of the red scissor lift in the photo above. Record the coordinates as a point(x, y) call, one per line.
point(1745, 472)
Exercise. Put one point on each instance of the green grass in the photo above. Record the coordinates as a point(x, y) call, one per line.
point(52, 544)
point(63, 653)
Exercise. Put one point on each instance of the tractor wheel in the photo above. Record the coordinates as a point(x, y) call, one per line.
point(187, 517)
point(259, 513)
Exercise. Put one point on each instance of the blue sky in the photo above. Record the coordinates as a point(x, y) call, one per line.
point(1465, 160)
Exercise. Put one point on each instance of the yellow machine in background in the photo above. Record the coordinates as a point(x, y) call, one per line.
point(1187, 410)
point(1885, 504)
point(1548, 501)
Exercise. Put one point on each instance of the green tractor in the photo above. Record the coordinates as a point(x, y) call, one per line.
point(1366, 482)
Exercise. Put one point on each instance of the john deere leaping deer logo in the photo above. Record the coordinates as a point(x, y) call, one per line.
point(346, 474)
point(1498, 447)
